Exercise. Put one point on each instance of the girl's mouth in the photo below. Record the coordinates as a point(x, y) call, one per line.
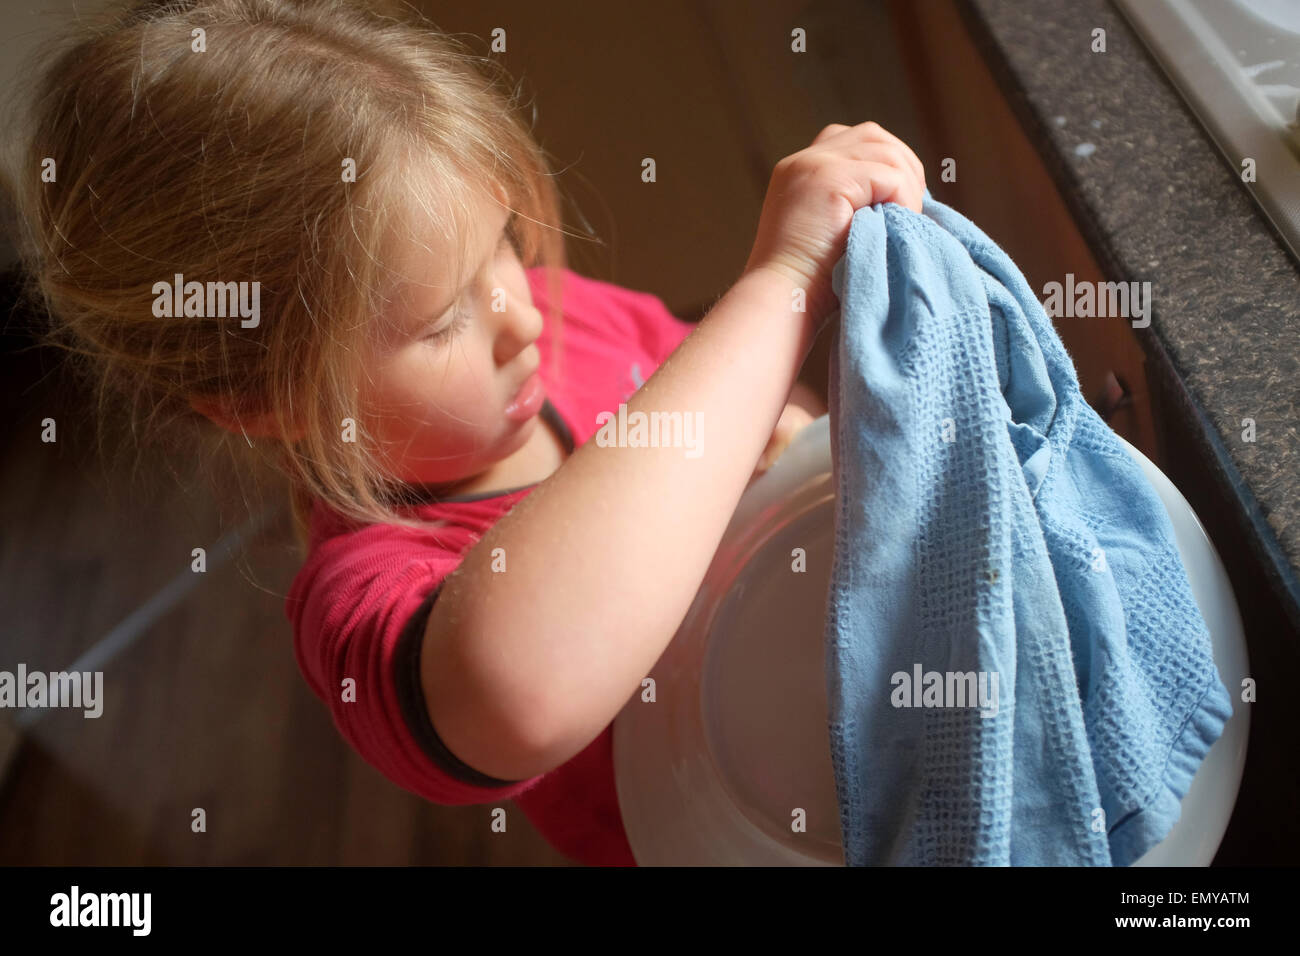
point(528, 400)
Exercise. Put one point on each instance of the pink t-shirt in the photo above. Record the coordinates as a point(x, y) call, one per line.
point(359, 603)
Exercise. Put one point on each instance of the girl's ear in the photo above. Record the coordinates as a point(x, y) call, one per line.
point(253, 424)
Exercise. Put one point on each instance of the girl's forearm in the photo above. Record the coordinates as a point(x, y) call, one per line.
point(522, 668)
point(807, 398)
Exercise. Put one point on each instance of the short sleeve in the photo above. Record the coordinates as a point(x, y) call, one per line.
point(358, 608)
point(639, 320)
point(660, 331)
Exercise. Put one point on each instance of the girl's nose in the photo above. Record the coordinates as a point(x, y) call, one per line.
point(518, 326)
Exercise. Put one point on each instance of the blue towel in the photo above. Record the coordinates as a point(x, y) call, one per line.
point(1016, 669)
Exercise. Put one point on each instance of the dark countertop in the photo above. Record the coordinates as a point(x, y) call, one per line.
point(1158, 202)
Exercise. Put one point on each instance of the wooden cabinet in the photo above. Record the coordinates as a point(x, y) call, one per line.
point(1003, 186)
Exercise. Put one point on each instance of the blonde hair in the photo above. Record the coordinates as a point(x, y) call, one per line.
point(228, 164)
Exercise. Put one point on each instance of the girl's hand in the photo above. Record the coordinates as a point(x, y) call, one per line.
point(804, 407)
point(813, 195)
point(793, 418)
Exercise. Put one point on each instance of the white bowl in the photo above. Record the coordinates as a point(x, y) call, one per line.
point(737, 741)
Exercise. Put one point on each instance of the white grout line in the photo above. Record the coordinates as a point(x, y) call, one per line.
point(147, 614)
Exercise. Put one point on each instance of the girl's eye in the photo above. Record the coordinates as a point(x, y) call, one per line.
point(464, 315)
point(462, 318)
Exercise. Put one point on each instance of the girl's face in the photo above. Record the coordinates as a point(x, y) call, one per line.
point(446, 366)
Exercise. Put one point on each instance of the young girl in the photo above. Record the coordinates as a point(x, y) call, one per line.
point(485, 586)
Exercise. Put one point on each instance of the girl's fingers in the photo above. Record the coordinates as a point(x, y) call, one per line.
point(917, 167)
point(886, 183)
point(873, 132)
point(883, 152)
point(794, 418)
point(834, 129)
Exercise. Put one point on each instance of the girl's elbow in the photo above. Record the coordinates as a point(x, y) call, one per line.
point(501, 731)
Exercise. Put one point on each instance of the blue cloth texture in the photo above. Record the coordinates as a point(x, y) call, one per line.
point(1017, 671)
